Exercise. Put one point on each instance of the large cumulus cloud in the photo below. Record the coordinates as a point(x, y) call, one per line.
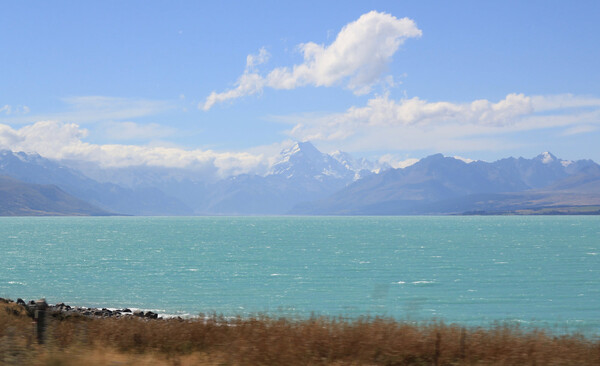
point(357, 59)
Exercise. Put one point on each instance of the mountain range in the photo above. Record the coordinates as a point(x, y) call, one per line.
point(445, 185)
point(303, 181)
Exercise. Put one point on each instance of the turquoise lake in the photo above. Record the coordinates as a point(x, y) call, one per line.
point(472, 270)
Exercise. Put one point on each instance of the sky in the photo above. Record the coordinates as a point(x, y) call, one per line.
point(229, 84)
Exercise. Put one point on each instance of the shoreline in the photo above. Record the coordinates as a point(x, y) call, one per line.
point(64, 310)
point(65, 337)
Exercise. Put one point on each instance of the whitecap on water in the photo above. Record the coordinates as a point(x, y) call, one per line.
point(17, 283)
point(423, 282)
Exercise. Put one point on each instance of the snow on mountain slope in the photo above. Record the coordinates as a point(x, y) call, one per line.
point(304, 161)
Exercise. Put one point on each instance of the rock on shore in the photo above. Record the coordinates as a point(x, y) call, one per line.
point(64, 310)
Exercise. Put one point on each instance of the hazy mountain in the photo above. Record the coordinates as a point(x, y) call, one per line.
point(32, 168)
point(301, 174)
point(442, 185)
point(187, 189)
point(306, 181)
point(361, 167)
point(18, 198)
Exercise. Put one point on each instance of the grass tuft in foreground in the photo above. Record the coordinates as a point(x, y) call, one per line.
point(214, 340)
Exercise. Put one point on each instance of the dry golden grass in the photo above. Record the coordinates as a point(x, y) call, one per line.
point(267, 341)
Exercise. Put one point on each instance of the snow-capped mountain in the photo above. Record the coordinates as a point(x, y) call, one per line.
point(304, 161)
point(361, 167)
point(302, 173)
point(307, 181)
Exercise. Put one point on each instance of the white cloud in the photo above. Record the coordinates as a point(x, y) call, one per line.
point(383, 112)
point(358, 58)
point(9, 137)
point(254, 60)
point(360, 54)
point(413, 124)
point(57, 140)
point(48, 137)
point(247, 84)
point(10, 110)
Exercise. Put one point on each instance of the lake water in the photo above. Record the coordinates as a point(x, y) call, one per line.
point(541, 271)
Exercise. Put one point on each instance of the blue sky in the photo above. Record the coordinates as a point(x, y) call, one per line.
point(130, 82)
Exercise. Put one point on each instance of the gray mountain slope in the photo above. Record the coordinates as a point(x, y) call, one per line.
point(32, 168)
point(442, 185)
point(18, 198)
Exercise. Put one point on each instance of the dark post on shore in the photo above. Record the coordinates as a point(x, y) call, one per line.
point(40, 319)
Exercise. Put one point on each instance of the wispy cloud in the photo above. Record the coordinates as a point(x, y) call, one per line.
point(357, 59)
point(90, 109)
point(579, 130)
point(123, 131)
point(563, 101)
point(103, 108)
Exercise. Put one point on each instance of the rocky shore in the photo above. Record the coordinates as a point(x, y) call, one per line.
point(63, 310)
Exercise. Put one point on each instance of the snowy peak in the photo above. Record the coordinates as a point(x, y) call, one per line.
point(361, 167)
point(305, 161)
point(10, 157)
point(546, 158)
point(352, 163)
point(549, 159)
point(301, 151)
point(33, 168)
